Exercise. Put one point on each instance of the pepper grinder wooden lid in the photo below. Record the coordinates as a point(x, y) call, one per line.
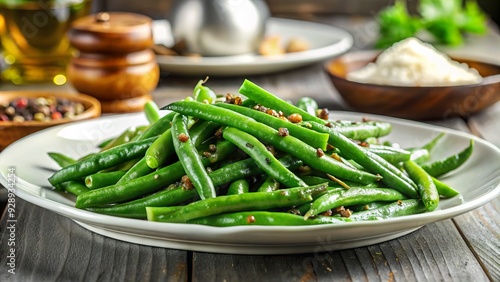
point(113, 32)
point(115, 62)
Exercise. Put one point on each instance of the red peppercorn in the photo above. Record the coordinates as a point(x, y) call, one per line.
point(283, 131)
point(320, 152)
point(56, 115)
point(21, 103)
point(250, 219)
point(183, 137)
point(295, 118)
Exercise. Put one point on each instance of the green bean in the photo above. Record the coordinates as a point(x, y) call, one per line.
point(164, 210)
point(314, 180)
point(163, 148)
point(270, 184)
point(137, 209)
point(448, 164)
point(151, 111)
point(73, 187)
point(312, 138)
point(128, 135)
point(352, 196)
point(353, 163)
point(367, 206)
point(420, 155)
point(144, 185)
point(123, 138)
point(362, 130)
point(102, 160)
point(122, 166)
point(392, 176)
point(131, 134)
point(256, 93)
point(241, 202)
point(262, 156)
point(139, 130)
point(288, 144)
point(86, 156)
point(390, 154)
point(239, 186)
point(201, 131)
point(431, 144)
point(394, 172)
point(300, 209)
point(392, 148)
point(444, 189)
point(398, 208)
point(158, 127)
point(160, 150)
point(249, 103)
point(105, 142)
point(132, 189)
point(103, 179)
point(247, 168)
point(307, 104)
point(263, 218)
point(61, 160)
point(203, 93)
point(375, 142)
point(190, 158)
point(138, 169)
point(220, 153)
point(426, 187)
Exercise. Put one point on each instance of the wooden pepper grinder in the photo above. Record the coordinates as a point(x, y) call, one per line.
point(115, 63)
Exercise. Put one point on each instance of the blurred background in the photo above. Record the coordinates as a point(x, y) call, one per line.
point(356, 16)
point(287, 8)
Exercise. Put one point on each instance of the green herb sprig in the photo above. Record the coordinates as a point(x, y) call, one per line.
point(446, 20)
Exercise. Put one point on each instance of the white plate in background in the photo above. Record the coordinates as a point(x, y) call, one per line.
point(325, 42)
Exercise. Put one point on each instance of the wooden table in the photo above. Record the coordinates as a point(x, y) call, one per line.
point(51, 247)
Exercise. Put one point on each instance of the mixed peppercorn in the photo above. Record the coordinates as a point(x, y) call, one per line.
point(39, 109)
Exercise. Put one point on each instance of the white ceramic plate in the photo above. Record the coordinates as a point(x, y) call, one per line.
point(478, 181)
point(325, 42)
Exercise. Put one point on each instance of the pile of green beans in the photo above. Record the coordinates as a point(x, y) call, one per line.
point(225, 161)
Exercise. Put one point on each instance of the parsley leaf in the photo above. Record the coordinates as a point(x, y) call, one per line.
point(446, 20)
point(473, 20)
point(396, 24)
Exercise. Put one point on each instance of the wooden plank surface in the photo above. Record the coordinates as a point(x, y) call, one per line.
point(435, 252)
point(50, 247)
point(478, 229)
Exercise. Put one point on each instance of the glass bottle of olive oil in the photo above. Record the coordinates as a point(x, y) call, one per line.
point(34, 42)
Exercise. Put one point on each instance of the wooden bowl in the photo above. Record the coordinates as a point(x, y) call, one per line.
point(11, 131)
point(410, 102)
